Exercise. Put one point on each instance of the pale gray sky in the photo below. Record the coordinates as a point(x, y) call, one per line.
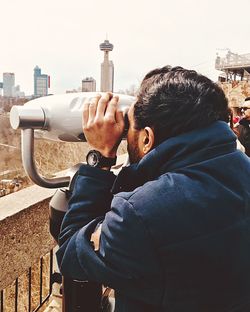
point(62, 37)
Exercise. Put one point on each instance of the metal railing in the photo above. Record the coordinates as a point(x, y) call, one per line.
point(43, 290)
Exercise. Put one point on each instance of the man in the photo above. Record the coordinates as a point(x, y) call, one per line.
point(243, 129)
point(175, 224)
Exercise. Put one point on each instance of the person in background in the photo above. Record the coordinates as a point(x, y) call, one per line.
point(172, 230)
point(233, 123)
point(243, 128)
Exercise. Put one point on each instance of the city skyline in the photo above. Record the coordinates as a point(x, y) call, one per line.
point(145, 34)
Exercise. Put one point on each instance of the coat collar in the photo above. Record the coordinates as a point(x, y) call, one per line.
point(177, 152)
point(244, 122)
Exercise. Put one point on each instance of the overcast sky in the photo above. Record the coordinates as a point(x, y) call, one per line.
point(62, 37)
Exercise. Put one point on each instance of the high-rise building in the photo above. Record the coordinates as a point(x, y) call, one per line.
point(107, 68)
point(8, 84)
point(88, 84)
point(41, 82)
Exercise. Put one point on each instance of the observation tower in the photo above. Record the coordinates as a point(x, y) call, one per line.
point(107, 68)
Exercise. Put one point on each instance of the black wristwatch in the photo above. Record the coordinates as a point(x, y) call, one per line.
point(96, 159)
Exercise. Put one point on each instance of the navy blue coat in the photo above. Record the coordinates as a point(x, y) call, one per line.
point(175, 227)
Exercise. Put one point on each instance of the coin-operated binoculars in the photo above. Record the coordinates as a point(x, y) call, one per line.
point(59, 117)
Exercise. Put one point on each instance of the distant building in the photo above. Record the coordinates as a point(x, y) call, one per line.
point(1, 88)
point(8, 84)
point(72, 91)
point(107, 68)
point(88, 84)
point(234, 66)
point(16, 92)
point(41, 83)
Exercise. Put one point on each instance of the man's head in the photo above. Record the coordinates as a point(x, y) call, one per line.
point(245, 109)
point(172, 101)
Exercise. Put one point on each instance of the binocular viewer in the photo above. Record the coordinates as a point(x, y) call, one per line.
point(58, 117)
point(54, 117)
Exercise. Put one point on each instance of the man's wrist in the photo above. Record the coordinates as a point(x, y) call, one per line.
point(96, 159)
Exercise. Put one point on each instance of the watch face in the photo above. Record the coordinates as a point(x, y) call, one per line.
point(92, 159)
point(96, 159)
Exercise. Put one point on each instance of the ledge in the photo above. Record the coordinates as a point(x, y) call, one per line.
point(24, 231)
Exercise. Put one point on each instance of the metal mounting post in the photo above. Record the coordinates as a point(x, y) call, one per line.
point(27, 146)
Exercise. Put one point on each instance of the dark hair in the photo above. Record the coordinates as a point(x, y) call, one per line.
point(177, 100)
point(247, 98)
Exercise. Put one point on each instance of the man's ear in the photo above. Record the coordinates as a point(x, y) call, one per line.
point(148, 140)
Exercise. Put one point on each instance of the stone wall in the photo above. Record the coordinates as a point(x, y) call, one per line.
point(236, 91)
point(24, 231)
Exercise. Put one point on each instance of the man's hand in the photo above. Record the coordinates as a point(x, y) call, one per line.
point(103, 123)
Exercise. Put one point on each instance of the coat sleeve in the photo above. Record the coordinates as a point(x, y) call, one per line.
point(123, 261)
